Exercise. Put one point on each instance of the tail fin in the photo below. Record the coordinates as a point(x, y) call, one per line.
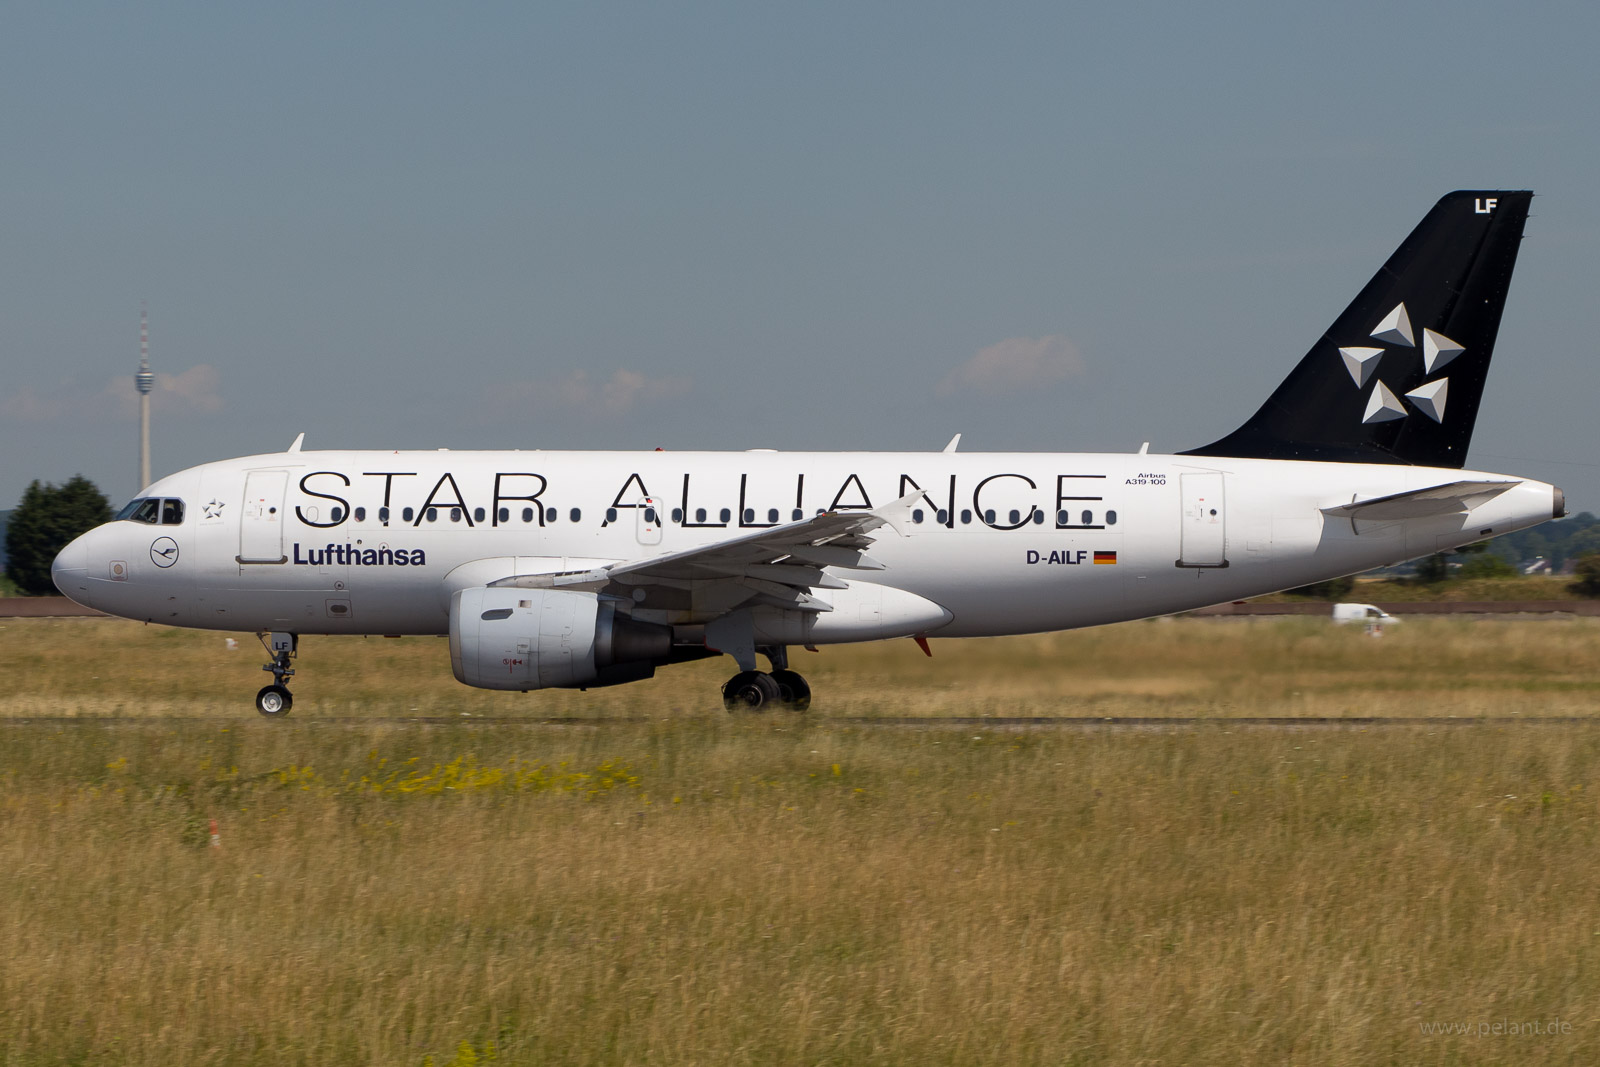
point(1397, 377)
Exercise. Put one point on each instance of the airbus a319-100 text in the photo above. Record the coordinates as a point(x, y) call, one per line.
point(582, 569)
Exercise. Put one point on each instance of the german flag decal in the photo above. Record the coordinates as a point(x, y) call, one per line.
point(1105, 557)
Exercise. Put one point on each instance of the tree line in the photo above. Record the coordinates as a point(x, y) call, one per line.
point(48, 517)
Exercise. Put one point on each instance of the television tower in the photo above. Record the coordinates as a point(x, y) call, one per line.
point(144, 381)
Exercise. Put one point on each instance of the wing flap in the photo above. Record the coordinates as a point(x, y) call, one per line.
point(779, 565)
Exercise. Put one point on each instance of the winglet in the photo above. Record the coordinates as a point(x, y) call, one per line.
point(897, 513)
point(298, 441)
point(951, 447)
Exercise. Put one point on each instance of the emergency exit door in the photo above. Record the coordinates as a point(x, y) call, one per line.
point(1203, 538)
point(647, 520)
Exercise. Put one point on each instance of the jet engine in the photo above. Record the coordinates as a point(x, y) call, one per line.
point(525, 639)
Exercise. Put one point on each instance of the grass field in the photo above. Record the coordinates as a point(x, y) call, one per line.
point(1219, 668)
point(671, 885)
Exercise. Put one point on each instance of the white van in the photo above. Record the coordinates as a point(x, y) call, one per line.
point(1367, 613)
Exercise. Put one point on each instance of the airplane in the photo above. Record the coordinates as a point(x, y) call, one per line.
point(550, 569)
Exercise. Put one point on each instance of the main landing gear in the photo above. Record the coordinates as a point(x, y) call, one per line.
point(275, 700)
point(755, 690)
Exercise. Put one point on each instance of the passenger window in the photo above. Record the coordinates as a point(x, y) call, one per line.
point(677, 514)
point(171, 512)
point(916, 514)
point(988, 516)
point(611, 514)
point(549, 514)
point(527, 514)
point(966, 516)
point(1111, 518)
point(503, 515)
point(797, 515)
point(361, 514)
point(749, 515)
point(433, 514)
point(1038, 517)
point(942, 516)
point(383, 515)
point(455, 514)
point(772, 514)
point(726, 514)
point(699, 514)
point(1063, 518)
point(477, 514)
point(650, 516)
point(408, 514)
point(576, 515)
point(1016, 517)
point(336, 514)
point(1088, 517)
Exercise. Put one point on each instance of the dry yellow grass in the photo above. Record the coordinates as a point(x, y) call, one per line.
point(778, 889)
point(1185, 667)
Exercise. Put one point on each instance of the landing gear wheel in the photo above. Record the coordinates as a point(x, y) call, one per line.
point(749, 691)
point(793, 690)
point(274, 701)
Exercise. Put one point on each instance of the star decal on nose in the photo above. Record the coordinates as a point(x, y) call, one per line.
point(212, 509)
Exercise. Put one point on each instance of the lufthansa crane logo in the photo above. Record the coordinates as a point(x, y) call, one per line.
point(164, 552)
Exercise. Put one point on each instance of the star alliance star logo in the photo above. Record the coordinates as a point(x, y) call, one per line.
point(212, 509)
point(1429, 398)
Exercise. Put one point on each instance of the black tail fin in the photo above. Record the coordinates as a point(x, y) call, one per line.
point(1397, 377)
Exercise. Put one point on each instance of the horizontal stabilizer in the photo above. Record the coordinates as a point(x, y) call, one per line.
point(1452, 498)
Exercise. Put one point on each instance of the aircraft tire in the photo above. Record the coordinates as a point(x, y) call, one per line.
point(274, 701)
point(749, 691)
point(794, 692)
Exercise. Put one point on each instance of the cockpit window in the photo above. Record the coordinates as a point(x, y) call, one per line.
point(153, 510)
point(144, 509)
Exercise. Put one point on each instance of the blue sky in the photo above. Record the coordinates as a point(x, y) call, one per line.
point(759, 225)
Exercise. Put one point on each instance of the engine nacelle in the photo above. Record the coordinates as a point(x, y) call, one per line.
point(525, 639)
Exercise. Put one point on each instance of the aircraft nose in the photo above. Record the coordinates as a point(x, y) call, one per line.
point(70, 568)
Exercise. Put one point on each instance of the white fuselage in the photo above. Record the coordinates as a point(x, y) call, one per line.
point(1007, 543)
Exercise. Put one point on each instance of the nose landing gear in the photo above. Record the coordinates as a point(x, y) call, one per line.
point(275, 700)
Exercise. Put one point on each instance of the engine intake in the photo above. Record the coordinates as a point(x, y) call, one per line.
point(522, 639)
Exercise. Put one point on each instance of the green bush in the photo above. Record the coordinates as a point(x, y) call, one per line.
point(1332, 589)
point(1588, 572)
point(1486, 565)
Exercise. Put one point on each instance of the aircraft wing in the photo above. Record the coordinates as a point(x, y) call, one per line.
point(779, 565)
point(1451, 498)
